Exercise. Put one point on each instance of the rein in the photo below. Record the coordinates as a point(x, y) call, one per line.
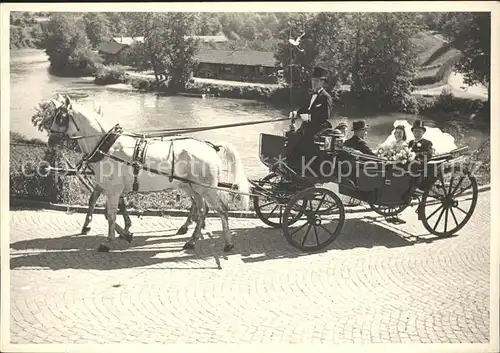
point(177, 131)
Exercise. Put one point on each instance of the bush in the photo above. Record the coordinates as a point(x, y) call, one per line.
point(446, 102)
point(228, 91)
point(143, 84)
point(108, 75)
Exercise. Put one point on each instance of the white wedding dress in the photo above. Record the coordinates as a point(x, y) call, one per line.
point(442, 142)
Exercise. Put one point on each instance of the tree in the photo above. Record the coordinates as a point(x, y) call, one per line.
point(472, 36)
point(67, 45)
point(266, 34)
point(181, 48)
point(207, 24)
point(150, 26)
point(117, 23)
point(96, 27)
point(248, 32)
point(300, 63)
point(334, 34)
point(384, 64)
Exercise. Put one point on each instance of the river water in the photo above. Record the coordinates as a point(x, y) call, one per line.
point(30, 83)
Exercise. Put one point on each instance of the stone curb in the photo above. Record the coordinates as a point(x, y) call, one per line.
point(16, 202)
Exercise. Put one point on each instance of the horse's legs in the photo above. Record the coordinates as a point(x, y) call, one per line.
point(192, 214)
point(205, 216)
point(222, 210)
point(92, 202)
point(88, 218)
point(200, 206)
point(126, 218)
point(111, 210)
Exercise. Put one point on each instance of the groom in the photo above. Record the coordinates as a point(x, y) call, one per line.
point(420, 146)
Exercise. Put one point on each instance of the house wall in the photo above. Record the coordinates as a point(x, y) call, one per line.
point(108, 58)
point(231, 72)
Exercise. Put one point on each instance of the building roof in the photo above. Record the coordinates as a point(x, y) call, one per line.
point(109, 47)
point(204, 39)
point(207, 39)
point(128, 40)
point(240, 57)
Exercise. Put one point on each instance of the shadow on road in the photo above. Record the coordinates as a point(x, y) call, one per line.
point(164, 247)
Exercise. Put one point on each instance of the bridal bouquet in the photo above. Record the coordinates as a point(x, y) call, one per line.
point(401, 155)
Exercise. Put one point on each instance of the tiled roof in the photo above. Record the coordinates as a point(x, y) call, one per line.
point(240, 57)
point(110, 47)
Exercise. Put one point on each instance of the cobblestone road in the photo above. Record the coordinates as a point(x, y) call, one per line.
point(376, 283)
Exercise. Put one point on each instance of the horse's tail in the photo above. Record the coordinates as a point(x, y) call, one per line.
point(228, 153)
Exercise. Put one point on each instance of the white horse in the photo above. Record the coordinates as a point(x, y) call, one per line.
point(125, 233)
point(194, 165)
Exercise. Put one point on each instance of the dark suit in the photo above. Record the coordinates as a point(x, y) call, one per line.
point(422, 149)
point(320, 111)
point(357, 143)
point(301, 142)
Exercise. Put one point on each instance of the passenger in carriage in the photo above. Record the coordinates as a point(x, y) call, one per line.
point(421, 146)
point(314, 118)
point(357, 141)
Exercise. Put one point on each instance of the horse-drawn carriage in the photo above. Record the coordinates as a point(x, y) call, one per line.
point(297, 202)
point(386, 186)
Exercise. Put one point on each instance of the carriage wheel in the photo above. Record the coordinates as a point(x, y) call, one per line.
point(387, 211)
point(444, 208)
point(321, 221)
point(274, 204)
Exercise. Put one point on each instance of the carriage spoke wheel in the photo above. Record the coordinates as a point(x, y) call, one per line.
point(387, 211)
point(320, 223)
point(448, 204)
point(270, 209)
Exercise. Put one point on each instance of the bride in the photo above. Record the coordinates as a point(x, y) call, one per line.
point(442, 142)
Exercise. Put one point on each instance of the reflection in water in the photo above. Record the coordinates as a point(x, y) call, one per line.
point(31, 83)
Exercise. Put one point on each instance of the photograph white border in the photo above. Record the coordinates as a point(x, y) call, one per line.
point(401, 6)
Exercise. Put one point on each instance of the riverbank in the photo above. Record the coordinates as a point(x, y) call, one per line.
point(449, 95)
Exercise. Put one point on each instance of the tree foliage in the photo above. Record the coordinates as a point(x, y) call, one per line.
point(181, 48)
point(25, 31)
point(66, 44)
point(471, 34)
point(384, 63)
point(168, 45)
point(96, 27)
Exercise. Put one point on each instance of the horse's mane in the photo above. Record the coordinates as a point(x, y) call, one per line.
point(95, 116)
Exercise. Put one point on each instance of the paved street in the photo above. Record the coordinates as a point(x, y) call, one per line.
point(377, 283)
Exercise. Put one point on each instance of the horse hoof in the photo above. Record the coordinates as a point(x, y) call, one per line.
point(128, 237)
point(182, 231)
point(85, 230)
point(103, 248)
point(188, 246)
point(228, 247)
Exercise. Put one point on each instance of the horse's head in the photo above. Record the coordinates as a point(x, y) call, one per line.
point(63, 122)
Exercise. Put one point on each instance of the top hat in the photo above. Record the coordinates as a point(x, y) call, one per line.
point(359, 125)
point(418, 124)
point(320, 72)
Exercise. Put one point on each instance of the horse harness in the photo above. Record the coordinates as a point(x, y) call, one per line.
point(138, 156)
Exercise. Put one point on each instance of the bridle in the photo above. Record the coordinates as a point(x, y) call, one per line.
point(58, 119)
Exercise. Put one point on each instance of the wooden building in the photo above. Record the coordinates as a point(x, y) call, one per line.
point(241, 65)
point(109, 50)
